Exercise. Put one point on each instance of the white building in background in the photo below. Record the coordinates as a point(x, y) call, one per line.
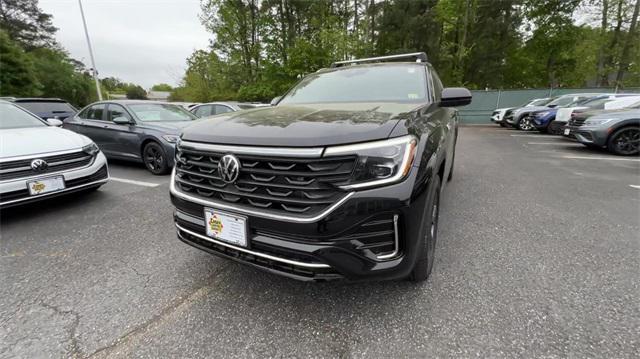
point(158, 95)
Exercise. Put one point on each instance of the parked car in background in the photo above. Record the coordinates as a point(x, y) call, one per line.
point(40, 160)
point(542, 119)
point(47, 108)
point(616, 130)
point(498, 114)
point(186, 105)
point(594, 103)
point(134, 130)
point(217, 108)
point(520, 117)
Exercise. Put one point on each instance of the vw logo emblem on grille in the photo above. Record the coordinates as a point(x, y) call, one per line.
point(39, 165)
point(229, 168)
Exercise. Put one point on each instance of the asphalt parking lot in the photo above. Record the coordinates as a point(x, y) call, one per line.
point(537, 256)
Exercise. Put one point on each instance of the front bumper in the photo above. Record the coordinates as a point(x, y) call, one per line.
point(339, 245)
point(15, 191)
point(589, 135)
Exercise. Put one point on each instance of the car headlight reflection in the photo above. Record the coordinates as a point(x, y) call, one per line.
point(91, 149)
point(379, 162)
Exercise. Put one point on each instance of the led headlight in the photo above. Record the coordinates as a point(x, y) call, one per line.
point(91, 149)
point(171, 138)
point(597, 122)
point(380, 162)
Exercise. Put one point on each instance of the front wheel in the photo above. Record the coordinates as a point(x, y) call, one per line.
point(625, 141)
point(525, 124)
point(428, 234)
point(155, 159)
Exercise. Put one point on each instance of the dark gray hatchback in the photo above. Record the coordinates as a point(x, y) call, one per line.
point(140, 131)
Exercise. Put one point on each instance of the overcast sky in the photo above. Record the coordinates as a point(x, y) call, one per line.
point(140, 41)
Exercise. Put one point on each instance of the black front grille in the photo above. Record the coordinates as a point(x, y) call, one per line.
point(577, 121)
point(22, 168)
point(276, 184)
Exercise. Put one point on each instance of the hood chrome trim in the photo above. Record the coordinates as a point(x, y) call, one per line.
point(314, 152)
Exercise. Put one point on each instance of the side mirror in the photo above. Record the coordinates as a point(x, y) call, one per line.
point(54, 122)
point(276, 100)
point(455, 96)
point(121, 121)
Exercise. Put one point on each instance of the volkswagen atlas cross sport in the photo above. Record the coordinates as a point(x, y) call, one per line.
point(341, 178)
point(39, 160)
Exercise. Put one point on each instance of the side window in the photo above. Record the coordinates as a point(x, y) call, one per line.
point(95, 112)
point(83, 114)
point(203, 111)
point(222, 109)
point(114, 111)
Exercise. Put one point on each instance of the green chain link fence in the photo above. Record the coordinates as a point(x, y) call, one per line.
point(484, 102)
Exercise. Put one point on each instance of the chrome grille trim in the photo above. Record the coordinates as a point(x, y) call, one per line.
point(214, 204)
point(257, 254)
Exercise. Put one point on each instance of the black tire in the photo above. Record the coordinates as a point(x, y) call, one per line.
point(428, 234)
point(155, 159)
point(453, 163)
point(502, 124)
point(625, 141)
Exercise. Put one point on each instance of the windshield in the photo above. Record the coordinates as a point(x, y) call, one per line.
point(47, 106)
point(538, 102)
point(14, 117)
point(563, 101)
point(157, 112)
point(389, 83)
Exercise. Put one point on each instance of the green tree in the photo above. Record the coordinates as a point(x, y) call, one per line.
point(17, 72)
point(26, 23)
point(161, 87)
point(135, 92)
point(59, 76)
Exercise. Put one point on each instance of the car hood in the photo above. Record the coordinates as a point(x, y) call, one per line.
point(621, 114)
point(308, 125)
point(528, 109)
point(38, 140)
point(168, 127)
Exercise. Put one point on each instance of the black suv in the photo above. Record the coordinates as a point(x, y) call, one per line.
point(341, 178)
point(47, 108)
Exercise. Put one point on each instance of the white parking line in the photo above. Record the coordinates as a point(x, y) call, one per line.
point(540, 135)
point(602, 158)
point(634, 186)
point(552, 143)
point(138, 183)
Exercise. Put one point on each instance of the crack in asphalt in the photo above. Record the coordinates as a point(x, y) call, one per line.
point(75, 350)
point(157, 320)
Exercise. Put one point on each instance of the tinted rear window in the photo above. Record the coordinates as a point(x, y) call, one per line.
point(44, 106)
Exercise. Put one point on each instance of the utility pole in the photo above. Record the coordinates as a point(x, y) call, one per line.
point(93, 62)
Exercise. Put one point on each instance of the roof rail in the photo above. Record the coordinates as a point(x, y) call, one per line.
point(419, 56)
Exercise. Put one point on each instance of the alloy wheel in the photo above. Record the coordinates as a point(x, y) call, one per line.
point(627, 142)
point(153, 158)
point(525, 124)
